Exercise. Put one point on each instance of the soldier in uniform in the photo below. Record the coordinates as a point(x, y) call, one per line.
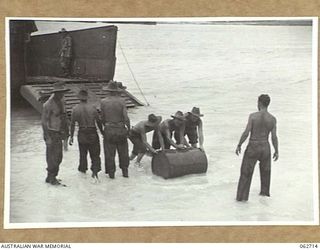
point(116, 127)
point(52, 119)
point(65, 52)
point(260, 125)
point(87, 117)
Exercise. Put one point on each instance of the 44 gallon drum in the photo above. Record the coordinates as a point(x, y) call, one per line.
point(173, 163)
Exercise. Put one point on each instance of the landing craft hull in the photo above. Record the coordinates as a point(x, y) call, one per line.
point(35, 64)
point(93, 53)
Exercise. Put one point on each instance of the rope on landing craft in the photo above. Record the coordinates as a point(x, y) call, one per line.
point(134, 78)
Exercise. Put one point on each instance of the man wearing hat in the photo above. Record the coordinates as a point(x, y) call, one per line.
point(116, 126)
point(87, 117)
point(139, 138)
point(53, 115)
point(167, 127)
point(193, 129)
point(65, 54)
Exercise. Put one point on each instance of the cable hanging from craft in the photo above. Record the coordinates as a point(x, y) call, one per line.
point(134, 78)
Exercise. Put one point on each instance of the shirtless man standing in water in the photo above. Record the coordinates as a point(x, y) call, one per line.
point(259, 126)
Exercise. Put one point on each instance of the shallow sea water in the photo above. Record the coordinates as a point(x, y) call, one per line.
point(222, 70)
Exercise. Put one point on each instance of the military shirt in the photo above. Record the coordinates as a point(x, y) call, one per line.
point(114, 109)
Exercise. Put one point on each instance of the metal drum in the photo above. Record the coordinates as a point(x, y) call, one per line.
point(173, 163)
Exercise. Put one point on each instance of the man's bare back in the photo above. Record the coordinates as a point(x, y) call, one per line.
point(259, 126)
point(142, 127)
point(262, 124)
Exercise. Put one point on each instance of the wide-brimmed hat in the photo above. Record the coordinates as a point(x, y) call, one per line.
point(83, 94)
point(112, 87)
point(153, 120)
point(179, 115)
point(63, 30)
point(58, 87)
point(196, 112)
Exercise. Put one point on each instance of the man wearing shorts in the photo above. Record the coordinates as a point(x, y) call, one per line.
point(138, 137)
point(260, 124)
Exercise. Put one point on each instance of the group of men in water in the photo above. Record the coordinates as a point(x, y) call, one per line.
point(114, 124)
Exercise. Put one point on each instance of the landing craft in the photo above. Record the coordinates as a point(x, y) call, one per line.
point(34, 63)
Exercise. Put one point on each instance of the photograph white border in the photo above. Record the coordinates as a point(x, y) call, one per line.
point(8, 225)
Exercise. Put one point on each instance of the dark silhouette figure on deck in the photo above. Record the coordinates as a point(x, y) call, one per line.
point(260, 124)
point(65, 53)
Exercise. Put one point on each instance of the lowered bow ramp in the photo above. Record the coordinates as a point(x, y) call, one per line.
point(33, 93)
